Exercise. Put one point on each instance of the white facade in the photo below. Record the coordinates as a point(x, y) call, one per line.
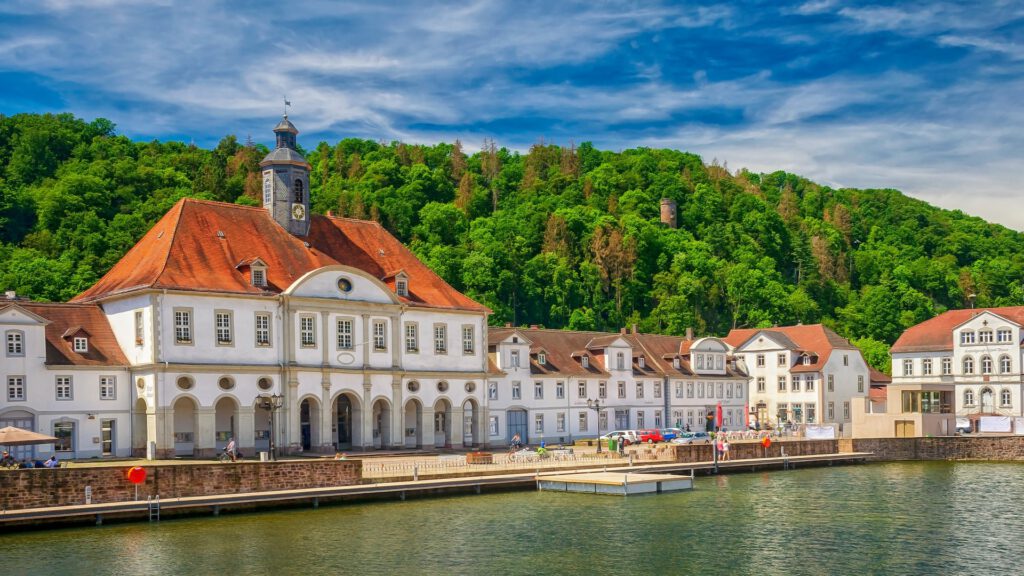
point(983, 363)
point(792, 385)
point(543, 384)
point(349, 377)
point(85, 406)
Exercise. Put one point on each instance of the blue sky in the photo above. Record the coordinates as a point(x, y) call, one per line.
point(921, 96)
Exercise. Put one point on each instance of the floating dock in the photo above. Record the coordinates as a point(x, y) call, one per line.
point(615, 483)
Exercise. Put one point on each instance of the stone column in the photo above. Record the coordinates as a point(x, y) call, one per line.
point(366, 412)
point(397, 413)
point(457, 426)
point(247, 430)
point(427, 430)
point(291, 440)
point(206, 429)
point(484, 424)
point(326, 439)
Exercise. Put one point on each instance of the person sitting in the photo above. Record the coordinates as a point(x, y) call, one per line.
point(52, 462)
point(26, 463)
point(7, 460)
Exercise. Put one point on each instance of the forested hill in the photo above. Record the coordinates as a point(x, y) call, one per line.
point(559, 236)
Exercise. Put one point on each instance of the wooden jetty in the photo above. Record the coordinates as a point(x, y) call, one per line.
point(615, 483)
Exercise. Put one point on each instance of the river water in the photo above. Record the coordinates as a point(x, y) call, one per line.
point(899, 518)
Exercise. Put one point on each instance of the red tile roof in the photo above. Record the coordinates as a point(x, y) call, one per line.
point(199, 245)
point(563, 349)
point(878, 393)
point(103, 347)
point(878, 377)
point(937, 333)
point(816, 339)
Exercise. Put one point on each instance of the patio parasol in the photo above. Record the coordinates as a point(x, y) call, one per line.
point(11, 436)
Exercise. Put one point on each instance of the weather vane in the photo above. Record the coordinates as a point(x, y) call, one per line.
point(286, 105)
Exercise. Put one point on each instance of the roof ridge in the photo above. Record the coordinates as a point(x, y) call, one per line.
point(189, 199)
point(170, 241)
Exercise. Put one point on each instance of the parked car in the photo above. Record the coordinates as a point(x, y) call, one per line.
point(693, 438)
point(963, 426)
point(629, 435)
point(650, 436)
point(668, 434)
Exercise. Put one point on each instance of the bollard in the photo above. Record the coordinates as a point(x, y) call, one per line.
point(88, 494)
point(415, 473)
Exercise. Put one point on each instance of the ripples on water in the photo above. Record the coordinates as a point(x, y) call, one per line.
point(901, 518)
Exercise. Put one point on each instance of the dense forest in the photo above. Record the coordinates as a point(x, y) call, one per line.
point(563, 236)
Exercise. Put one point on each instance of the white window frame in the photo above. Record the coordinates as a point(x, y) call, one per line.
point(492, 390)
point(16, 390)
point(440, 338)
point(517, 390)
point(582, 422)
point(80, 344)
point(908, 367)
point(538, 390)
point(581, 389)
point(64, 388)
point(760, 384)
point(640, 389)
point(108, 387)
point(559, 390)
point(307, 330)
point(846, 410)
point(262, 334)
point(760, 361)
point(1005, 364)
point(542, 358)
point(140, 329)
point(412, 337)
point(380, 336)
point(831, 383)
point(585, 362)
point(782, 359)
point(560, 422)
point(344, 332)
point(15, 343)
point(1004, 335)
point(947, 366)
point(493, 426)
point(183, 319)
point(831, 411)
point(468, 339)
point(621, 388)
point(602, 389)
point(657, 389)
point(224, 325)
point(782, 384)
point(258, 276)
point(513, 358)
point(926, 366)
point(860, 383)
point(538, 423)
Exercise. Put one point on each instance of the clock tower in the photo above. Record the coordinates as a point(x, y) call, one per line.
point(286, 181)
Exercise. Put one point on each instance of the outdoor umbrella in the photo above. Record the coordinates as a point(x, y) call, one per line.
point(718, 416)
point(11, 436)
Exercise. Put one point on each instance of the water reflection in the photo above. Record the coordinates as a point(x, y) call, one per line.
point(902, 518)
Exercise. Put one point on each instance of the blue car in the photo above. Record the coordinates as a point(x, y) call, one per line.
point(668, 434)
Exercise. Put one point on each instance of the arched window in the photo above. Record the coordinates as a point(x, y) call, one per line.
point(299, 192)
point(986, 364)
point(1004, 398)
point(968, 397)
point(1004, 364)
point(968, 365)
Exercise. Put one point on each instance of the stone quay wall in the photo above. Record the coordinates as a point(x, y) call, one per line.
point(1004, 448)
point(744, 450)
point(37, 488)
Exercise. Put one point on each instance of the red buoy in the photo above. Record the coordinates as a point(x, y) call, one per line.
point(137, 475)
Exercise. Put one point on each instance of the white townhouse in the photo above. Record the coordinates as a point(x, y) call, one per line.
point(222, 312)
point(977, 351)
point(65, 376)
point(805, 374)
point(542, 380)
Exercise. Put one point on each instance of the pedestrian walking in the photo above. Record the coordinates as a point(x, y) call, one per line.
point(725, 449)
point(231, 450)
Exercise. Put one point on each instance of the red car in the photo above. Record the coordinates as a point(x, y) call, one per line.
point(650, 436)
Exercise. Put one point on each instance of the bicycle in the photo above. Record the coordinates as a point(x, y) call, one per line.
point(225, 456)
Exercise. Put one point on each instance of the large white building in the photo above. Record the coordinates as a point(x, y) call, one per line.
point(977, 351)
point(542, 379)
point(805, 374)
point(360, 343)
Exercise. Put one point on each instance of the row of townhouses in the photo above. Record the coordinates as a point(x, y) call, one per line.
point(314, 333)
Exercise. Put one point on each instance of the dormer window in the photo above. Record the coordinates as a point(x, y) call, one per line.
point(542, 358)
point(259, 276)
point(585, 362)
point(81, 344)
point(641, 362)
point(514, 356)
point(402, 285)
point(807, 360)
point(675, 363)
point(620, 361)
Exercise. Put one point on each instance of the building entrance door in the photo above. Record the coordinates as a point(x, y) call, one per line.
point(988, 401)
point(622, 419)
point(22, 420)
point(107, 437)
point(904, 428)
point(517, 425)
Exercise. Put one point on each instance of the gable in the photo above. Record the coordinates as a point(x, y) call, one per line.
point(15, 315)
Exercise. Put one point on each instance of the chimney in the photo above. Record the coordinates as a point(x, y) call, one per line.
point(11, 295)
point(508, 324)
point(689, 333)
point(668, 212)
point(534, 326)
point(622, 331)
point(634, 329)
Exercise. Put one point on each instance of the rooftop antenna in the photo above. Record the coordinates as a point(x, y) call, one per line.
point(286, 105)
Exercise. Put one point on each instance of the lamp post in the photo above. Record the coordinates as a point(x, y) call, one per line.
point(595, 405)
point(270, 403)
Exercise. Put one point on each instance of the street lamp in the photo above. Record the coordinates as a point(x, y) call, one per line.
point(270, 403)
point(595, 405)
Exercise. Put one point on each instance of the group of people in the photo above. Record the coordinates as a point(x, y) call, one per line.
point(8, 461)
point(722, 446)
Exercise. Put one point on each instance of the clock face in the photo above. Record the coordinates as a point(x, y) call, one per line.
point(298, 212)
